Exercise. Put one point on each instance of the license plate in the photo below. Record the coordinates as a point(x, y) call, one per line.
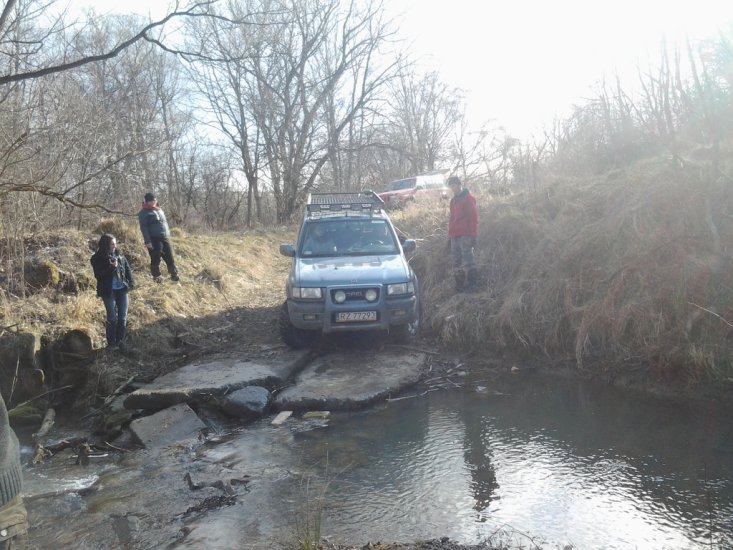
point(352, 316)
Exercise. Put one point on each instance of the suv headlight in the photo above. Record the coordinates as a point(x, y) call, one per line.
point(307, 293)
point(401, 288)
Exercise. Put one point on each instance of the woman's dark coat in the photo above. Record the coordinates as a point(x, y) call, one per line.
point(104, 272)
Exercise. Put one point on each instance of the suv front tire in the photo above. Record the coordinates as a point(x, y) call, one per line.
point(291, 335)
point(404, 334)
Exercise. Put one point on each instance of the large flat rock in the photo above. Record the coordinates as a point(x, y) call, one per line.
point(213, 379)
point(167, 427)
point(343, 380)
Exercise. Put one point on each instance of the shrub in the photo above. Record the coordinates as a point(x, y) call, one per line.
point(42, 274)
point(213, 276)
point(124, 231)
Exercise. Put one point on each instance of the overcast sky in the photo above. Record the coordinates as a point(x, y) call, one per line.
point(521, 62)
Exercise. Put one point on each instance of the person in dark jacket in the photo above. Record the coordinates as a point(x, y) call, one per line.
point(156, 235)
point(462, 232)
point(114, 281)
point(13, 515)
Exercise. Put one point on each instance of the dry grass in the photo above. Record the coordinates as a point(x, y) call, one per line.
point(619, 272)
point(225, 278)
point(624, 271)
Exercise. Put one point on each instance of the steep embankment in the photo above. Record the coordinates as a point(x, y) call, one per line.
point(231, 287)
point(625, 275)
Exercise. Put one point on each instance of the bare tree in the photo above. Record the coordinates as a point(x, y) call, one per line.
point(39, 51)
point(425, 115)
point(18, 73)
point(223, 78)
point(284, 85)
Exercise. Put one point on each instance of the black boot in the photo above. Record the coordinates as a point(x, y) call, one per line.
point(120, 336)
point(460, 276)
point(111, 329)
point(471, 279)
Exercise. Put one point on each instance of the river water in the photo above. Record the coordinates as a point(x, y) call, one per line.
point(539, 461)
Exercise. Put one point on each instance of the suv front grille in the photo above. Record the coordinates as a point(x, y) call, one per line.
point(355, 294)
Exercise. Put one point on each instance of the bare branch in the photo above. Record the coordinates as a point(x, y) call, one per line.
point(192, 11)
point(6, 12)
point(61, 197)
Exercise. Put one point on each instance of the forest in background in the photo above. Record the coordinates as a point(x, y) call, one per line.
point(234, 111)
point(607, 238)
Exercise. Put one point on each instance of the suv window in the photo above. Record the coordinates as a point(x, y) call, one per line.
point(348, 237)
point(408, 183)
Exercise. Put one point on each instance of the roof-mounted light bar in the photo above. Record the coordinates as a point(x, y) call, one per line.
point(365, 202)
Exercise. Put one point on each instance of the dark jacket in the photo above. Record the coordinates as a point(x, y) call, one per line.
point(463, 216)
point(104, 272)
point(153, 224)
point(10, 472)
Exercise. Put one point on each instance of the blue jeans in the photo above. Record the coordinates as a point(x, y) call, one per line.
point(116, 305)
point(462, 249)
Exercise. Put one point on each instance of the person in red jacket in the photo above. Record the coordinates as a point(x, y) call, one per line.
point(462, 232)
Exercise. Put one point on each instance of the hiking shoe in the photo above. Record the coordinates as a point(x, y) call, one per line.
point(175, 278)
point(158, 279)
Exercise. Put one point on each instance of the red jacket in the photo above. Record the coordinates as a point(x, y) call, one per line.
point(463, 216)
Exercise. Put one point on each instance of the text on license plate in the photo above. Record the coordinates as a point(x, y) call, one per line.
point(351, 316)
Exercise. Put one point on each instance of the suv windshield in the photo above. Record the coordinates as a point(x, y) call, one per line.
point(347, 237)
point(399, 185)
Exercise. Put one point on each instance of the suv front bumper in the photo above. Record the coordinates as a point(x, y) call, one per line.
point(322, 314)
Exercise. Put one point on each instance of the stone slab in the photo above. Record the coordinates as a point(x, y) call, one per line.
point(248, 402)
point(20, 356)
point(167, 427)
point(344, 381)
point(214, 379)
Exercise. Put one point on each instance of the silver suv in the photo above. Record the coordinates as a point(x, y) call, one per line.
point(349, 272)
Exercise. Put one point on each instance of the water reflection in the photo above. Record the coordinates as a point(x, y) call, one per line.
point(565, 462)
point(570, 462)
point(645, 464)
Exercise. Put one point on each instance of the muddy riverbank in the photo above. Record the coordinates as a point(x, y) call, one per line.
point(108, 484)
point(453, 455)
point(173, 326)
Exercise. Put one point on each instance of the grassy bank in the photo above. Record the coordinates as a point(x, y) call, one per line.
point(231, 286)
point(624, 276)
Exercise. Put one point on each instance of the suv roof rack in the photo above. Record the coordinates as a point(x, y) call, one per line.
point(364, 203)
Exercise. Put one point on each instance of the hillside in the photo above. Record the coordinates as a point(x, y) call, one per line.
point(623, 277)
point(230, 289)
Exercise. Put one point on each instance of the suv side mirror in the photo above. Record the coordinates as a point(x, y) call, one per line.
point(287, 250)
point(409, 246)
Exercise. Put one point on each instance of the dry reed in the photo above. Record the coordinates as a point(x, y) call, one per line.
point(618, 271)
